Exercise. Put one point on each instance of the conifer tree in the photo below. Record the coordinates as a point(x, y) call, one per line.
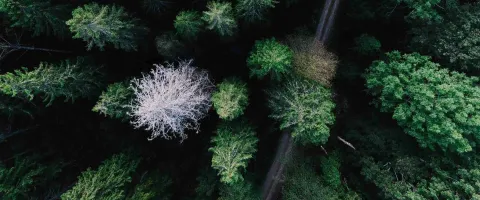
point(233, 146)
point(438, 107)
point(39, 16)
point(156, 6)
point(230, 99)
point(115, 101)
point(367, 45)
point(219, 17)
point(99, 25)
point(188, 24)
point(243, 190)
point(306, 108)
point(68, 79)
point(107, 182)
point(270, 57)
point(253, 10)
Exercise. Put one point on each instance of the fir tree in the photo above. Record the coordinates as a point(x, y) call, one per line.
point(115, 101)
point(101, 24)
point(233, 146)
point(230, 99)
point(39, 16)
point(440, 108)
point(219, 17)
point(243, 190)
point(68, 79)
point(188, 24)
point(367, 45)
point(107, 182)
point(254, 10)
point(270, 57)
point(304, 107)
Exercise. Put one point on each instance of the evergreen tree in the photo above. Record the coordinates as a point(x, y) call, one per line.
point(153, 186)
point(115, 101)
point(230, 99)
point(207, 184)
point(68, 79)
point(26, 175)
point(254, 10)
point(107, 182)
point(304, 107)
point(219, 17)
point(188, 24)
point(233, 146)
point(454, 41)
point(39, 16)
point(169, 46)
point(270, 57)
point(436, 106)
point(101, 24)
point(156, 6)
point(243, 190)
point(367, 45)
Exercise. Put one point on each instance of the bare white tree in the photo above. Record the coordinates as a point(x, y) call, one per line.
point(171, 99)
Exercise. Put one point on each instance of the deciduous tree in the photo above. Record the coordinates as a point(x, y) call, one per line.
point(436, 106)
point(230, 99)
point(171, 99)
point(367, 45)
point(101, 24)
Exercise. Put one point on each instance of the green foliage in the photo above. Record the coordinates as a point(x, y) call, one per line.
point(243, 190)
point(100, 24)
point(423, 10)
point(253, 10)
point(367, 45)
point(455, 41)
point(207, 184)
point(331, 170)
point(188, 24)
point(39, 16)
point(270, 57)
point(436, 106)
point(68, 79)
point(152, 187)
point(107, 182)
point(25, 175)
point(230, 99)
point(115, 102)
point(306, 108)
point(156, 6)
point(233, 146)
point(168, 45)
point(219, 17)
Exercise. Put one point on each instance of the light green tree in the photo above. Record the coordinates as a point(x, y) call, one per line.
point(254, 10)
point(230, 99)
point(436, 106)
point(304, 107)
point(107, 182)
point(219, 17)
point(101, 24)
point(115, 101)
point(270, 57)
point(39, 16)
point(68, 79)
point(233, 146)
point(188, 24)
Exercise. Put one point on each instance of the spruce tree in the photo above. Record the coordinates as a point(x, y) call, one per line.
point(230, 99)
point(233, 146)
point(39, 16)
point(107, 182)
point(99, 25)
point(115, 101)
point(68, 79)
point(243, 190)
point(438, 107)
point(270, 57)
point(254, 10)
point(188, 24)
point(219, 17)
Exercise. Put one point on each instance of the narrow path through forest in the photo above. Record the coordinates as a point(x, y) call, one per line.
point(272, 186)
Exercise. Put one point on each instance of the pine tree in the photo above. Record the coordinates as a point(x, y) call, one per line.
point(254, 10)
point(68, 79)
point(115, 101)
point(233, 146)
point(304, 107)
point(219, 17)
point(152, 186)
point(243, 190)
point(39, 16)
point(101, 24)
point(440, 108)
point(107, 182)
point(188, 24)
point(270, 57)
point(230, 99)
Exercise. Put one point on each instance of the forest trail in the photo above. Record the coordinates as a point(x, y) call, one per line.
point(272, 186)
